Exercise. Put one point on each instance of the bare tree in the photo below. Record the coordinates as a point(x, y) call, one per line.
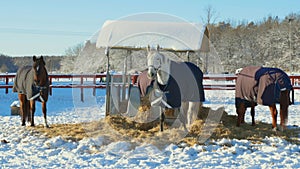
point(210, 15)
point(71, 54)
point(75, 50)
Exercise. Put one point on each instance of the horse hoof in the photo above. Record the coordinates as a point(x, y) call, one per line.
point(281, 128)
point(46, 126)
point(274, 129)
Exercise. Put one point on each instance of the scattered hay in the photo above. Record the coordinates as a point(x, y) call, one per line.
point(137, 128)
point(72, 131)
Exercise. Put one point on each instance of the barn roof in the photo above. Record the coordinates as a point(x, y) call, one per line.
point(177, 36)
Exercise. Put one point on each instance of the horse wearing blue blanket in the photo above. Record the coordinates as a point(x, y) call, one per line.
point(265, 86)
point(179, 83)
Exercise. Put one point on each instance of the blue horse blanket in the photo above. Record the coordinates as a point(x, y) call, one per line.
point(184, 84)
point(261, 85)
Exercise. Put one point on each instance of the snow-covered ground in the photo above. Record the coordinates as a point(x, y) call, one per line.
point(22, 148)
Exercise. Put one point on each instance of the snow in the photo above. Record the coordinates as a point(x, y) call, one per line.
point(177, 35)
point(23, 148)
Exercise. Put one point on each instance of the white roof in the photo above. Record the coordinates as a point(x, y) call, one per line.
point(139, 34)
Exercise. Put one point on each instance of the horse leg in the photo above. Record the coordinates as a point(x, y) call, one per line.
point(23, 108)
point(274, 113)
point(44, 109)
point(183, 113)
point(284, 106)
point(243, 116)
point(192, 112)
point(241, 109)
point(162, 119)
point(253, 113)
point(32, 111)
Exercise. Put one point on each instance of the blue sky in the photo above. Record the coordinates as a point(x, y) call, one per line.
point(49, 27)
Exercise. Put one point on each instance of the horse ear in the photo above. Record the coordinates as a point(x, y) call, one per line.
point(43, 60)
point(157, 48)
point(148, 48)
point(34, 58)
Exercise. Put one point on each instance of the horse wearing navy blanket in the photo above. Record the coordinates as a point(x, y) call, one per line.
point(265, 86)
point(180, 83)
point(32, 84)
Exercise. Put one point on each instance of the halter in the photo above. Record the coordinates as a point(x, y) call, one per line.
point(155, 68)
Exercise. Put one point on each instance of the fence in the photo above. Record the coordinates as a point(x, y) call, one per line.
point(210, 82)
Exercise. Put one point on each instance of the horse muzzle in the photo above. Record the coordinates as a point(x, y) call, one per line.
point(151, 74)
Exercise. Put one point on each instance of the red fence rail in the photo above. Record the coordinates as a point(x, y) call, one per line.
point(211, 82)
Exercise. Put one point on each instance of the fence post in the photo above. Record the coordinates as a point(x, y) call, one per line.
point(50, 86)
point(6, 83)
point(94, 88)
point(81, 88)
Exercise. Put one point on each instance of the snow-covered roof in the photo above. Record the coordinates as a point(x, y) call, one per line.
point(178, 36)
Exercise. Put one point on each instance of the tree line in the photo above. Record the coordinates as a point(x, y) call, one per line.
point(12, 64)
point(272, 42)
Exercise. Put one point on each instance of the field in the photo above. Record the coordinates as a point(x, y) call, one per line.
point(81, 137)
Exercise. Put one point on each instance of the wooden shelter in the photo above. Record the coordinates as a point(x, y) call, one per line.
point(137, 35)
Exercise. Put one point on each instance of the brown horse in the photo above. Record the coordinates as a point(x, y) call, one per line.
point(264, 86)
point(32, 84)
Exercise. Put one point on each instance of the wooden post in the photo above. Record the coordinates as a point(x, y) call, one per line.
point(107, 102)
point(124, 78)
point(117, 105)
point(293, 96)
point(6, 83)
point(50, 86)
point(188, 55)
point(81, 88)
point(206, 63)
point(94, 88)
point(129, 85)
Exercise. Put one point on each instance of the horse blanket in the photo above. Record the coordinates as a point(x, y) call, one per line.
point(261, 85)
point(24, 83)
point(184, 84)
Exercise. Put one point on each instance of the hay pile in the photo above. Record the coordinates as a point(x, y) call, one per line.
point(140, 128)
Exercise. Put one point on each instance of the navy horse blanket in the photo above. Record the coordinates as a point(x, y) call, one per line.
point(261, 85)
point(184, 84)
point(24, 84)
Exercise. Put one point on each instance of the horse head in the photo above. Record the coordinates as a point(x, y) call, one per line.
point(39, 71)
point(158, 66)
